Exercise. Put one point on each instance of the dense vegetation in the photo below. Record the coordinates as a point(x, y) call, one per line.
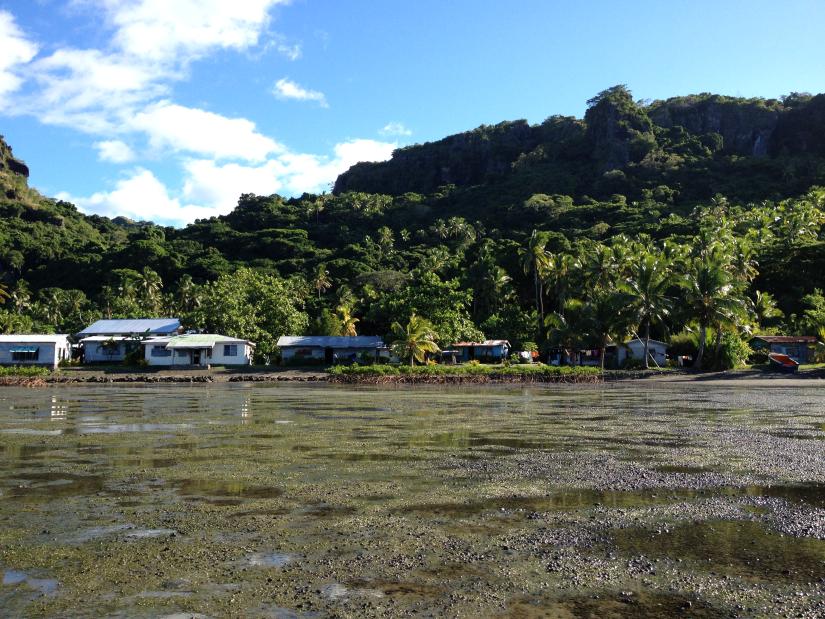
point(697, 218)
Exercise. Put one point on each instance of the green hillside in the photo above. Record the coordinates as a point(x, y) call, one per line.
point(512, 230)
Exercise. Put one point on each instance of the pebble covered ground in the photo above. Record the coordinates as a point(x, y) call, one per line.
point(625, 500)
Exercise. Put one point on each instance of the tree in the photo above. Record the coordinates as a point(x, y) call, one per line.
point(414, 340)
point(648, 285)
point(254, 306)
point(710, 298)
point(609, 316)
point(321, 280)
point(534, 261)
point(150, 287)
point(348, 321)
point(765, 309)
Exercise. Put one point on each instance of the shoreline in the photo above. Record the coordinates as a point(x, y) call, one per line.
point(749, 377)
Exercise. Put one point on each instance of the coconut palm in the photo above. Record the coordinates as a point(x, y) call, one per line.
point(347, 321)
point(321, 280)
point(188, 297)
point(609, 316)
point(764, 308)
point(414, 340)
point(711, 297)
point(534, 261)
point(567, 327)
point(150, 286)
point(648, 285)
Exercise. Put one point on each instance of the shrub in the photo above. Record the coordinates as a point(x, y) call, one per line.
point(734, 352)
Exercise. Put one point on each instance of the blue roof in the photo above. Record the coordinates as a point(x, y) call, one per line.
point(129, 326)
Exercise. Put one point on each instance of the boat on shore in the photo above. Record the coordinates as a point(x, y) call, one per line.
point(783, 363)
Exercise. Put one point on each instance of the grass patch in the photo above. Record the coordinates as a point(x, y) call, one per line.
point(464, 373)
point(29, 371)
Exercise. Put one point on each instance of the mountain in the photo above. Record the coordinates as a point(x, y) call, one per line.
point(459, 209)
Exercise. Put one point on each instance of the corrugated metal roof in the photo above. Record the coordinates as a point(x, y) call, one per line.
point(787, 339)
point(141, 325)
point(484, 343)
point(331, 341)
point(32, 339)
point(197, 340)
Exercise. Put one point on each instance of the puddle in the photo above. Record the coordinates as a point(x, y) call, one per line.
point(810, 494)
point(149, 533)
point(269, 559)
point(224, 492)
point(51, 485)
point(337, 591)
point(734, 548)
point(45, 586)
point(568, 499)
point(630, 605)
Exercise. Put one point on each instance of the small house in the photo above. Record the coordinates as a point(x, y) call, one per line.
point(197, 349)
point(42, 350)
point(111, 341)
point(800, 348)
point(488, 351)
point(328, 350)
point(635, 349)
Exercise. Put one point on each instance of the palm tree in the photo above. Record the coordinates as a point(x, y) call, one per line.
point(150, 286)
point(648, 284)
point(711, 297)
point(21, 297)
point(566, 328)
point(608, 317)
point(321, 281)
point(347, 321)
point(414, 340)
point(534, 260)
point(764, 308)
point(188, 297)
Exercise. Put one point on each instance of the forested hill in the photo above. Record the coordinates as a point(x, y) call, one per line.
point(621, 147)
point(487, 232)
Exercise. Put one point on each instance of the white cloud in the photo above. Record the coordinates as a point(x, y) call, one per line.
point(212, 188)
point(186, 29)
point(293, 52)
point(15, 50)
point(189, 129)
point(286, 89)
point(395, 129)
point(90, 90)
point(140, 196)
point(114, 151)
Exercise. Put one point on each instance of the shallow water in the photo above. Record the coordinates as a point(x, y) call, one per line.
point(312, 501)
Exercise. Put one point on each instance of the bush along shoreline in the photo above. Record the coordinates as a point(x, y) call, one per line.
point(459, 374)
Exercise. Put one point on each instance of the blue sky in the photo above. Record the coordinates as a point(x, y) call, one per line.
point(169, 109)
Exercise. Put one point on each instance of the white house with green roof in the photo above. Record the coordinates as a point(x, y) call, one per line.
point(197, 349)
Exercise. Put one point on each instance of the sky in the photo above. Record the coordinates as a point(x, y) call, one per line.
point(168, 110)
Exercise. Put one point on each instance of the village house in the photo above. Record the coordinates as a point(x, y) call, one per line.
point(42, 350)
point(800, 348)
point(488, 351)
point(110, 341)
point(328, 350)
point(197, 349)
point(635, 349)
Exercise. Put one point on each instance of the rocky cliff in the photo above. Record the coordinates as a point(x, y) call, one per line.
point(615, 133)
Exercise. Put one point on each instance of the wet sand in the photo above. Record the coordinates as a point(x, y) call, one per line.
point(628, 499)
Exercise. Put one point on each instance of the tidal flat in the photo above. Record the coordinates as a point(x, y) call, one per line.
point(625, 500)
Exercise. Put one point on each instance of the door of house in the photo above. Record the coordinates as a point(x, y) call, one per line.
point(196, 357)
point(329, 356)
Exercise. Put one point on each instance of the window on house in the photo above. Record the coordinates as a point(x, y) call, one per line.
point(230, 350)
point(25, 353)
point(161, 351)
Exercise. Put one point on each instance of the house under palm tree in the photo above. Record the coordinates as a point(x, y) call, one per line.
point(327, 350)
point(111, 341)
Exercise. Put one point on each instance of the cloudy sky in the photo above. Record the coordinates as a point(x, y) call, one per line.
point(170, 109)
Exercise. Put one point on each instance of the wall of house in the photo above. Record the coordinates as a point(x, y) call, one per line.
point(95, 352)
point(482, 353)
point(798, 352)
point(184, 356)
point(49, 353)
point(313, 355)
point(244, 356)
point(636, 350)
